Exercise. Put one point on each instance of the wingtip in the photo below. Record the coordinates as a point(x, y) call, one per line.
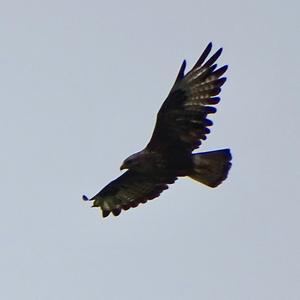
point(222, 81)
point(220, 50)
point(105, 213)
point(203, 56)
point(181, 71)
point(212, 59)
point(183, 66)
point(85, 198)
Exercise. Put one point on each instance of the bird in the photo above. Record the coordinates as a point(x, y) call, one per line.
point(181, 125)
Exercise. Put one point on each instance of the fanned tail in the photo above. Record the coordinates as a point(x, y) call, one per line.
point(211, 168)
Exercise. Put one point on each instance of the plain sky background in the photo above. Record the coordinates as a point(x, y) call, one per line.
point(81, 83)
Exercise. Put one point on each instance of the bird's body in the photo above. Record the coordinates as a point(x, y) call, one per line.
point(152, 162)
point(180, 126)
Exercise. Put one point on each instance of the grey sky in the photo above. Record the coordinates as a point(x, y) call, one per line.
point(81, 83)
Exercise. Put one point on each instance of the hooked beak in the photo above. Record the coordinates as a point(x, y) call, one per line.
point(123, 167)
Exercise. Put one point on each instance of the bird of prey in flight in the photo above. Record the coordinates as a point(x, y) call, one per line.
point(180, 127)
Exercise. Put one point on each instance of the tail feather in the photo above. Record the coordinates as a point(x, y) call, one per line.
point(211, 168)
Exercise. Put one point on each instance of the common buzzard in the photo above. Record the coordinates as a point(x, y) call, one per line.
point(180, 127)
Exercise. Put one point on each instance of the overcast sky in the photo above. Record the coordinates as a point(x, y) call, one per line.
point(81, 83)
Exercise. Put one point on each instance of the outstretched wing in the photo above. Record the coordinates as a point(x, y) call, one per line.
point(129, 190)
point(182, 120)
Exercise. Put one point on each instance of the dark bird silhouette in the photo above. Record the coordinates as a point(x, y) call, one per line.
point(180, 127)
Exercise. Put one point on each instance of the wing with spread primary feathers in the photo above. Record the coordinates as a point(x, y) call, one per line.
point(129, 190)
point(182, 120)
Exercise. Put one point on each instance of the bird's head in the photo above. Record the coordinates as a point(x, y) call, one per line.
point(133, 161)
